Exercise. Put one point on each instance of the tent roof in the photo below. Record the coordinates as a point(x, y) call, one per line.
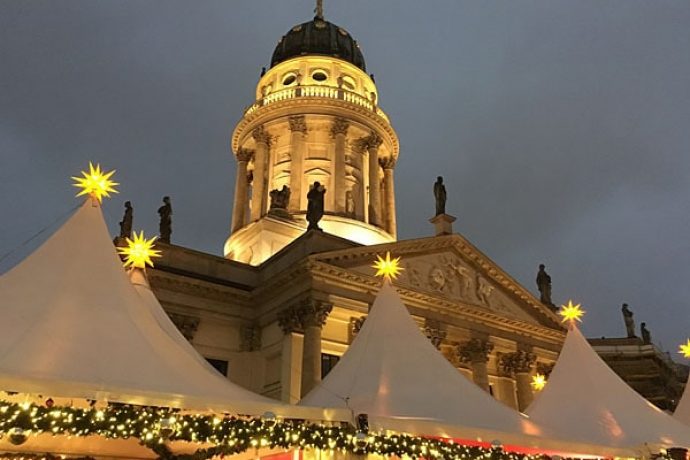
point(391, 370)
point(682, 412)
point(73, 325)
point(584, 400)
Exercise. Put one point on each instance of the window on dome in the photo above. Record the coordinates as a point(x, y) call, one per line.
point(289, 79)
point(348, 83)
point(319, 75)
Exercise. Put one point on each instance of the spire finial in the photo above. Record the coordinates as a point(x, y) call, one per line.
point(319, 9)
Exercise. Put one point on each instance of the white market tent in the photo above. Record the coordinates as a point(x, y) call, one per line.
point(74, 326)
point(682, 412)
point(393, 373)
point(586, 401)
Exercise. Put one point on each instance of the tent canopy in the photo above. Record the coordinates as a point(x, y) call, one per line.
point(391, 370)
point(584, 400)
point(73, 325)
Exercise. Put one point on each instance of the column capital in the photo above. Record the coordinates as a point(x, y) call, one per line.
point(290, 320)
point(187, 325)
point(340, 126)
point(314, 312)
point(244, 154)
point(435, 333)
point(475, 350)
point(510, 364)
point(298, 123)
point(261, 136)
point(387, 162)
point(545, 369)
point(374, 141)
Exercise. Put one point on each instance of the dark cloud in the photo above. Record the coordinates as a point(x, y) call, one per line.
point(561, 127)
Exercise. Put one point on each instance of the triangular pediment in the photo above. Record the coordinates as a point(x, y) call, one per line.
point(449, 267)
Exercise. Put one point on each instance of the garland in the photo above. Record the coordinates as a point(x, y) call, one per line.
point(153, 426)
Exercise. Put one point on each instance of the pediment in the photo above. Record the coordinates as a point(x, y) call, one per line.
point(451, 268)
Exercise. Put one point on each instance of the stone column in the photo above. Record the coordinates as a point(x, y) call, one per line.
point(435, 332)
point(263, 143)
point(291, 353)
point(339, 131)
point(373, 142)
point(313, 315)
point(506, 371)
point(388, 164)
point(523, 378)
point(298, 131)
point(476, 353)
point(238, 210)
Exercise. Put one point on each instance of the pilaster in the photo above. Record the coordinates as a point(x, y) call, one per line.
point(298, 132)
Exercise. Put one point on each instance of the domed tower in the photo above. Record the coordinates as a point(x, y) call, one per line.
point(316, 118)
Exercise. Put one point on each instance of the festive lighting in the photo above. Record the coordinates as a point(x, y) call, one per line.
point(154, 426)
point(685, 349)
point(571, 312)
point(538, 382)
point(95, 183)
point(139, 251)
point(387, 268)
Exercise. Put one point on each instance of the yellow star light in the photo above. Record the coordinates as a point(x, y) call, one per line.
point(538, 382)
point(139, 251)
point(95, 183)
point(571, 312)
point(685, 349)
point(388, 268)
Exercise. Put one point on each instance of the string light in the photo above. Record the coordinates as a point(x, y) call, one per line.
point(685, 349)
point(387, 268)
point(538, 382)
point(139, 251)
point(571, 312)
point(95, 183)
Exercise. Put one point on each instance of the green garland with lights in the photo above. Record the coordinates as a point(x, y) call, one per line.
point(153, 426)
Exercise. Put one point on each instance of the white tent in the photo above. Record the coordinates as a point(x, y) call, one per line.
point(74, 326)
point(584, 400)
point(682, 412)
point(393, 373)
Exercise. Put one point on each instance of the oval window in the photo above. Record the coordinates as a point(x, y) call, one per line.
point(289, 79)
point(319, 76)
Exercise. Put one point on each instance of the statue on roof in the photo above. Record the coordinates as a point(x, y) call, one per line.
point(629, 321)
point(280, 198)
point(544, 286)
point(127, 219)
point(318, 11)
point(315, 206)
point(646, 335)
point(165, 225)
point(440, 195)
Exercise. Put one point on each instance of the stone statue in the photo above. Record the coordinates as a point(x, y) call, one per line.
point(644, 332)
point(280, 198)
point(544, 286)
point(315, 205)
point(349, 203)
point(126, 224)
point(165, 225)
point(440, 195)
point(629, 321)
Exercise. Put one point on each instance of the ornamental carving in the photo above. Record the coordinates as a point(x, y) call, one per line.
point(371, 142)
point(475, 351)
point(250, 338)
point(545, 369)
point(298, 123)
point(518, 362)
point(434, 332)
point(261, 136)
point(289, 320)
point(187, 325)
point(314, 312)
point(244, 154)
point(340, 126)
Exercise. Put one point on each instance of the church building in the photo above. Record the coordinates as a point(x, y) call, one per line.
point(314, 205)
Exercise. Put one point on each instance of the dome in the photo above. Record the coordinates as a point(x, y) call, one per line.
point(318, 37)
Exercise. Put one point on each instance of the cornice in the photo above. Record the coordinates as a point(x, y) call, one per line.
point(319, 105)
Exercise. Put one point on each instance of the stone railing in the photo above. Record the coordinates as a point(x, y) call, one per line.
point(316, 91)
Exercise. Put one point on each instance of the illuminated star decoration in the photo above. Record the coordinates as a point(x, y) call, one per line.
point(685, 349)
point(538, 382)
point(388, 268)
point(571, 312)
point(95, 183)
point(139, 251)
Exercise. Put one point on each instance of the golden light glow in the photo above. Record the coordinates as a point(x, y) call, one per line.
point(538, 382)
point(685, 349)
point(95, 183)
point(139, 251)
point(388, 268)
point(571, 312)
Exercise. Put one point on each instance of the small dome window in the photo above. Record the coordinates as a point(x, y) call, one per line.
point(348, 82)
point(319, 75)
point(289, 79)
